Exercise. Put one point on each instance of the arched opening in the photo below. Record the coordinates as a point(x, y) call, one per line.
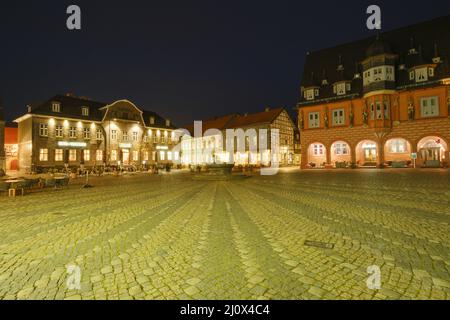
point(340, 154)
point(317, 155)
point(366, 153)
point(397, 152)
point(432, 152)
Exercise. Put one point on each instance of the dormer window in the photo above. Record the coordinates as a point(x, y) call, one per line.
point(167, 123)
point(316, 92)
point(152, 120)
point(309, 94)
point(348, 86)
point(340, 89)
point(85, 111)
point(56, 107)
point(421, 74)
point(411, 75)
point(431, 72)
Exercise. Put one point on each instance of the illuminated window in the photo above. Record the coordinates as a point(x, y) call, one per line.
point(154, 155)
point(176, 155)
point(99, 155)
point(162, 155)
point(113, 155)
point(135, 136)
point(340, 148)
point(87, 155)
point(113, 134)
point(125, 136)
point(398, 146)
point(85, 111)
point(98, 134)
point(43, 130)
point(72, 155)
point(135, 155)
point(169, 156)
point(43, 155)
point(59, 155)
point(318, 149)
point(145, 155)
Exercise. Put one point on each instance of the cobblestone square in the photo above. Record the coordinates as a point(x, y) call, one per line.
point(169, 237)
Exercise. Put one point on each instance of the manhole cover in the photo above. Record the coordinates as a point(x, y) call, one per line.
point(319, 244)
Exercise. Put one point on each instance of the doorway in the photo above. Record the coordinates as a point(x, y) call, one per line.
point(126, 156)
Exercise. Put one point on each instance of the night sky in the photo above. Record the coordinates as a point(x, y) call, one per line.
point(187, 60)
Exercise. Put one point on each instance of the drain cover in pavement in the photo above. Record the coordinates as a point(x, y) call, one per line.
point(319, 244)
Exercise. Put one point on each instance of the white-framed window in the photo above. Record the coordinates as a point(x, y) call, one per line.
point(163, 139)
point(421, 74)
point(87, 133)
point(145, 155)
point(314, 121)
point(98, 134)
point(113, 134)
point(411, 75)
point(167, 123)
point(56, 107)
point(72, 155)
point(113, 155)
point(310, 94)
point(341, 148)
point(59, 155)
point(99, 155)
point(135, 155)
point(169, 155)
point(85, 111)
point(152, 120)
point(431, 72)
point(125, 136)
point(87, 155)
point(338, 117)
point(135, 136)
point(72, 132)
point(348, 86)
point(43, 130)
point(397, 146)
point(162, 155)
point(43, 155)
point(429, 107)
point(318, 149)
point(59, 131)
point(340, 89)
point(155, 138)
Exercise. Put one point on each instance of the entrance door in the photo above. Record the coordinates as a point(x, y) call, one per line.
point(126, 156)
point(370, 154)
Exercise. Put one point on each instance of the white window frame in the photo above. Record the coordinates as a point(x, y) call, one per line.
point(125, 136)
point(113, 155)
point(87, 133)
point(56, 107)
point(43, 130)
point(341, 149)
point(314, 120)
point(421, 74)
point(429, 107)
point(135, 136)
point(318, 149)
point(98, 134)
point(59, 131)
point(338, 117)
point(73, 132)
point(87, 155)
point(85, 111)
point(398, 146)
point(310, 94)
point(162, 155)
point(99, 155)
point(113, 134)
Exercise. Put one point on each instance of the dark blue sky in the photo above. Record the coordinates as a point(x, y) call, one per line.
point(184, 59)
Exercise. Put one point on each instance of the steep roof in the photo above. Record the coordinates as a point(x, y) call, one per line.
point(248, 120)
point(425, 37)
point(219, 123)
point(70, 108)
point(160, 122)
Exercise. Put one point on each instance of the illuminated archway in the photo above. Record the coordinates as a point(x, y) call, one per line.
point(317, 155)
point(340, 153)
point(432, 151)
point(366, 153)
point(397, 149)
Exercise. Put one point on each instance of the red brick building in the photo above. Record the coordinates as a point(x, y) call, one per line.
point(381, 101)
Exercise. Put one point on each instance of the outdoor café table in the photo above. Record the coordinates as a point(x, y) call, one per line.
point(13, 185)
point(58, 181)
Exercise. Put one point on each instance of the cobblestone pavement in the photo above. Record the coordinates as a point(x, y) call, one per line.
point(169, 237)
